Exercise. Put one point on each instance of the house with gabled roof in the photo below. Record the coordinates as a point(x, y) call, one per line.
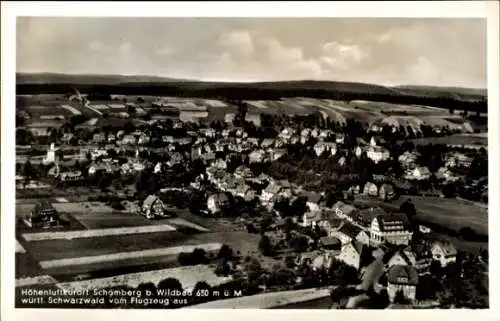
point(153, 207)
point(444, 252)
point(351, 254)
point(345, 211)
point(391, 228)
point(404, 279)
point(348, 232)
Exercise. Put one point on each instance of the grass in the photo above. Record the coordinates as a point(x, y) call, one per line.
point(454, 140)
point(115, 257)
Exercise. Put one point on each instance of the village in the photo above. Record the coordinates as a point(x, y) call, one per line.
point(321, 204)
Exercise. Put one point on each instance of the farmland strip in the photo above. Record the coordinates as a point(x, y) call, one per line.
point(31, 237)
point(127, 255)
point(188, 276)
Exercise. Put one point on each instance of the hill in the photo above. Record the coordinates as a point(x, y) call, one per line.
point(150, 85)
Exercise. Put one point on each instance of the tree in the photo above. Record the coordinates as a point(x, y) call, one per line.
point(225, 252)
point(171, 284)
point(202, 292)
point(222, 268)
point(409, 209)
point(265, 245)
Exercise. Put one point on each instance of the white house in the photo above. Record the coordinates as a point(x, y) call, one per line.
point(391, 228)
point(418, 173)
point(444, 252)
point(351, 254)
point(322, 147)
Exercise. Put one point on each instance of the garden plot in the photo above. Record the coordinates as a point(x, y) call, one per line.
point(261, 104)
point(115, 257)
point(183, 222)
point(69, 235)
point(188, 276)
point(214, 103)
point(71, 109)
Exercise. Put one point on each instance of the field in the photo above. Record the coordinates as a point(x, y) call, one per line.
point(102, 247)
point(193, 108)
point(472, 139)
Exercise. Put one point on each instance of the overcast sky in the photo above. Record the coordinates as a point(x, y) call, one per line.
point(442, 52)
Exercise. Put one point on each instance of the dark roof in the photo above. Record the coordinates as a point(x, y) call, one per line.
point(43, 205)
point(312, 197)
point(329, 241)
point(396, 272)
point(368, 214)
point(350, 230)
point(358, 246)
point(392, 220)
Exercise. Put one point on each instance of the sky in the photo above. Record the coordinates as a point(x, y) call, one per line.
point(387, 51)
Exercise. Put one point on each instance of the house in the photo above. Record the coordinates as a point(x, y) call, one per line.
point(365, 216)
point(257, 156)
point(458, 160)
point(53, 155)
point(276, 154)
point(111, 138)
point(370, 189)
point(128, 140)
point(404, 279)
point(267, 143)
point(42, 215)
point(217, 203)
point(408, 159)
point(386, 192)
point(99, 138)
point(306, 132)
point(321, 147)
point(98, 152)
point(153, 207)
point(351, 254)
point(444, 252)
point(67, 137)
point(219, 163)
point(330, 243)
point(423, 258)
point(391, 228)
point(313, 200)
point(143, 139)
point(402, 257)
point(158, 168)
point(270, 191)
point(418, 173)
point(446, 174)
point(311, 219)
point(175, 159)
point(345, 211)
point(70, 176)
point(377, 154)
point(347, 232)
point(286, 133)
point(339, 138)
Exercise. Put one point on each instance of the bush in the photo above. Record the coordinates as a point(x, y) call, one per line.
point(198, 256)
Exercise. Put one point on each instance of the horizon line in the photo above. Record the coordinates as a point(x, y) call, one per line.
point(242, 81)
